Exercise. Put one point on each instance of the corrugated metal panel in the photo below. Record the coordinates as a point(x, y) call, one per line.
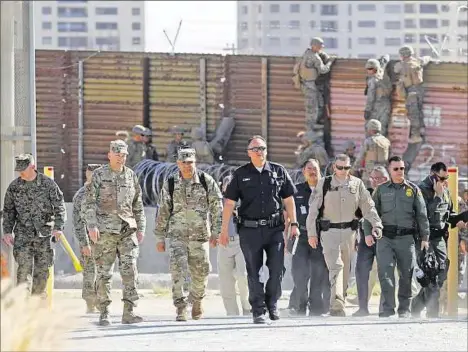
point(244, 103)
point(175, 95)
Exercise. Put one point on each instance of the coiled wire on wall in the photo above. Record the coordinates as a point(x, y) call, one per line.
point(152, 175)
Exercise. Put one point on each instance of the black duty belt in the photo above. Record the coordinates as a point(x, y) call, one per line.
point(273, 221)
point(436, 233)
point(393, 231)
point(341, 225)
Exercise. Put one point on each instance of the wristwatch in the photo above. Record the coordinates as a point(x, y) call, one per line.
point(294, 224)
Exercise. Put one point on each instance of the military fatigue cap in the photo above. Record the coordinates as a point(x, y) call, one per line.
point(316, 41)
point(406, 51)
point(119, 146)
point(138, 129)
point(122, 134)
point(186, 154)
point(177, 129)
point(22, 161)
point(374, 125)
point(92, 167)
point(349, 145)
point(147, 132)
point(373, 63)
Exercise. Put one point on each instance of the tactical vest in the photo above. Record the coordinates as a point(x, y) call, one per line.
point(411, 73)
point(384, 86)
point(307, 74)
point(378, 152)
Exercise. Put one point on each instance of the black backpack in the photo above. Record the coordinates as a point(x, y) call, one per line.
point(170, 181)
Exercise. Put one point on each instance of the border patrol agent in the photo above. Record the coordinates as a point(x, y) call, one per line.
point(262, 187)
point(332, 216)
point(400, 204)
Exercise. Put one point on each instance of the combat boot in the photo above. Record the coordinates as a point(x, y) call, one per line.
point(128, 317)
point(90, 307)
point(104, 317)
point(197, 310)
point(181, 313)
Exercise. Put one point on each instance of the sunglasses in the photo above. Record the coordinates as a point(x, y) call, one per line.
point(442, 178)
point(257, 149)
point(343, 167)
point(399, 168)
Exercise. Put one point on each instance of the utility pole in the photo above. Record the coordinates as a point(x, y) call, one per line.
point(231, 48)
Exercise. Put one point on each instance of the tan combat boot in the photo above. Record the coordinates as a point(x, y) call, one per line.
point(128, 317)
point(181, 313)
point(197, 310)
point(90, 307)
point(104, 317)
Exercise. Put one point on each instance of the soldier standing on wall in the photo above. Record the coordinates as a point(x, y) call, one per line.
point(136, 146)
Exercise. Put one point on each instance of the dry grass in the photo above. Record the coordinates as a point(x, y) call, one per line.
point(27, 324)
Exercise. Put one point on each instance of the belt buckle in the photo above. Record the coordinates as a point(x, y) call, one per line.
point(262, 222)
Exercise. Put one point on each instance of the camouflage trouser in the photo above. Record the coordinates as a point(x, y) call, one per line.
point(381, 112)
point(88, 292)
point(414, 109)
point(109, 247)
point(311, 105)
point(34, 257)
point(195, 256)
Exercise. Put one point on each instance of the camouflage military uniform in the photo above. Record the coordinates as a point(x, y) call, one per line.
point(188, 220)
point(33, 210)
point(136, 153)
point(202, 147)
point(312, 152)
point(88, 292)
point(113, 205)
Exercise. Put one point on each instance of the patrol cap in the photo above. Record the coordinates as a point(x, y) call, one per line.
point(373, 63)
point(122, 134)
point(406, 51)
point(186, 154)
point(349, 145)
point(138, 129)
point(119, 146)
point(92, 167)
point(22, 161)
point(374, 124)
point(147, 132)
point(177, 130)
point(316, 41)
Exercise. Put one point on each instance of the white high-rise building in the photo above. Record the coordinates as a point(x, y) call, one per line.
point(90, 25)
point(355, 29)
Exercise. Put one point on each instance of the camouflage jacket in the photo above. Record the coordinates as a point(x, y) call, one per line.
point(191, 214)
point(79, 227)
point(113, 198)
point(136, 153)
point(33, 208)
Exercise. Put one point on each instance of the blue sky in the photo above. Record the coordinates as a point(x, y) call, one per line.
point(207, 26)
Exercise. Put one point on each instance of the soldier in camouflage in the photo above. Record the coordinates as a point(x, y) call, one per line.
point(410, 87)
point(375, 151)
point(33, 216)
point(175, 144)
point(190, 217)
point(307, 150)
point(202, 148)
point(379, 92)
point(136, 146)
point(86, 246)
point(113, 212)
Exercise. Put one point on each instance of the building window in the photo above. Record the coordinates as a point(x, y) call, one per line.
point(106, 25)
point(312, 8)
point(428, 23)
point(445, 8)
point(410, 8)
point(425, 52)
point(294, 41)
point(73, 42)
point(46, 40)
point(350, 43)
point(47, 10)
point(136, 26)
point(350, 10)
point(410, 38)
point(410, 23)
point(329, 10)
point(46, 25)
point(312, 24)
point(72, 27)
point(329, 26)
point(366, 7)
point(244, 43)
point(366, 24)
point(428, 8)
point(366, 41)
point(244, 26)
point(392, 9)
point(275, 24)
point(445, 23)
point(432, 38)
point(244, 10)
point(392, 25)
point(294, 8)
point(294, 24)
point(393, 41)
point(111, 41)
point(136, 40)
point(72, 12)
point(106, 11)
point(259, 8)
point(366, 56)
point(274, 41)
point(136, 11)
point(330, 43)
point(463, 38)
point(274, 8)
point(350, 26)
point(462, 23)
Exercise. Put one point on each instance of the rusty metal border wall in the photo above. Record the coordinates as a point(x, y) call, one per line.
point(198, 90)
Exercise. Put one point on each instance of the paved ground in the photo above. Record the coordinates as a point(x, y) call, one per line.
point(217, 333)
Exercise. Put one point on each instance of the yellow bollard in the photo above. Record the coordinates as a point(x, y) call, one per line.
point(452, 280)
point(49, 171)
point(69, 250)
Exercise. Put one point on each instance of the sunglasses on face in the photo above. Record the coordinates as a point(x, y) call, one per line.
point(399, 168)
point(257, 149)
point(338, 167)
point(442, 178)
